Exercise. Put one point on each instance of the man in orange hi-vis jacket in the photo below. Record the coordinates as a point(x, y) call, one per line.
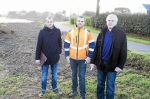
point(79, 46)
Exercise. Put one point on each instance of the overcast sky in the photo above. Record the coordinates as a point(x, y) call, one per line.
point(71, 6)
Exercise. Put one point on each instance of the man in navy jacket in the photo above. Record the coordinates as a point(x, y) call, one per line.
point(49, 42)
point(109, 56)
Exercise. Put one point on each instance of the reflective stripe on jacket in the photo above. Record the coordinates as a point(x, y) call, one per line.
point(79, 43)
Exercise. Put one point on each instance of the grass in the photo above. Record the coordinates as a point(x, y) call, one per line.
point(11, 84)
point(129, 85)
point(138, 60)
point(2, 68)
point(65, 87)
point(132, 83)
point(139, 40)
point(129, 37)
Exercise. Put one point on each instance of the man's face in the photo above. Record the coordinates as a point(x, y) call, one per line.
point(80, 22)
point(111, 22)
point(49, 23)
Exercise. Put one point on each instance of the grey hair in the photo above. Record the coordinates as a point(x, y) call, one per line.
point(49, 17)
point(112, 15)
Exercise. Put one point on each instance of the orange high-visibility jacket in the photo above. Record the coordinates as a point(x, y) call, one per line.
point(79, 43)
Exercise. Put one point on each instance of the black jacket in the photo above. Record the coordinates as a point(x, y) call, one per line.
point(49, 42)
point(118, 51)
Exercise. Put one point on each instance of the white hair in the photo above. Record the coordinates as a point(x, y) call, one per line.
point(112, 15)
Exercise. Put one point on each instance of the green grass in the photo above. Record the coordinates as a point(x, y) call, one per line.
point(132, 85)
point(2, 68)
point(65, 87)
point(129, 85)
point(11, 85)
point(139, 40)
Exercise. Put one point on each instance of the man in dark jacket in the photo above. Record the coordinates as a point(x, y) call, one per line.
point(49, 42)
point(109, 56)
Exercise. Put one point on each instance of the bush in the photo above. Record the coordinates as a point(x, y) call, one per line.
point(72, 21)
point(88, 21)
point(131, 23)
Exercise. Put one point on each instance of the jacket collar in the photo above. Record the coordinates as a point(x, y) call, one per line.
point(114, 30)
point(79, 28)
point(48, 29)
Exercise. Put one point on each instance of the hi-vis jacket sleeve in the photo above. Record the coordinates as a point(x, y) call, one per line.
point(67, 44)
point(91, 42)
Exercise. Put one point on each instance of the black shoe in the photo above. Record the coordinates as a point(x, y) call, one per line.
point(57, 92)
point(72, 94)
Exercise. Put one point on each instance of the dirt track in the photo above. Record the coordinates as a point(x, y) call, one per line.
point(17, 53)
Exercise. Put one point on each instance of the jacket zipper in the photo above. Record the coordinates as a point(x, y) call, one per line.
point(101, 48)
point(77, 42)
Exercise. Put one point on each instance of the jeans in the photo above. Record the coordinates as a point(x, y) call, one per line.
point(109, 77)
point(81, 66)
point(45, 68)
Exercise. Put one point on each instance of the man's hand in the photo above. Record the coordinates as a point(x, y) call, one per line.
point(87, 60)
point(117, 69)
point(37, 61)
point(68, 59)
point(92, 66)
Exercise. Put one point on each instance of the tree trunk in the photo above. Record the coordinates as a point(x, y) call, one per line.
point(97, 8)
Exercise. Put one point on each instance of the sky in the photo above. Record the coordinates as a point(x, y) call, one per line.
point(70, 6)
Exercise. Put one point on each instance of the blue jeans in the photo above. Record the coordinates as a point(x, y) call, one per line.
point(81, 66)
point(45, 68)
point(110, 78)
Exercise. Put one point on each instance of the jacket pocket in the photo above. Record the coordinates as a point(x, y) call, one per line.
point(114, 64)
point(117, 44)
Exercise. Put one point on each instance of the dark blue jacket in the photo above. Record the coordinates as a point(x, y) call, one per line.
point(49, 42)
point(118, 51)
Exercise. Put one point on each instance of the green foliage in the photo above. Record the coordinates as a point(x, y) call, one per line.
point(99, 22)
point(72, 21)
point(88, 21)
point(131, 23)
